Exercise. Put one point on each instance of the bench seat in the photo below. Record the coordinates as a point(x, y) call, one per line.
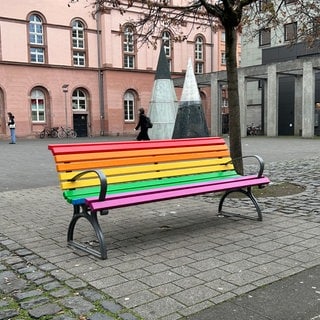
point(151, 195)
point(97, 177)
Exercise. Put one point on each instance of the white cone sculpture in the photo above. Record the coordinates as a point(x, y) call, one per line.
point(190, 120)
point(164, 104)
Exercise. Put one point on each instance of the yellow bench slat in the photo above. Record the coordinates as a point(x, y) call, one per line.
point(153, 167)
point(145, 176)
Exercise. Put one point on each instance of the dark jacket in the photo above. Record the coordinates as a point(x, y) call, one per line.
point(142, 124)
point(11, 120)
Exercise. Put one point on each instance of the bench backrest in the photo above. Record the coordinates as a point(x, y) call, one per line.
point(140, 164)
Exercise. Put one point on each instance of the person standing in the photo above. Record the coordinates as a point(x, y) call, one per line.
point(143, 125)
point(12, 127)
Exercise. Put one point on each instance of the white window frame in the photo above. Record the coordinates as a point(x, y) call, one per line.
point(35, 30)
point(78, 38)
point(129, 101)
point(38, 106)
point(79, 100)
point(36, 39)
point(199, 55)
point(128, 45)
point(79, 59)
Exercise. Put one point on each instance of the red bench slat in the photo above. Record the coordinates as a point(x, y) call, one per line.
point(58, 149)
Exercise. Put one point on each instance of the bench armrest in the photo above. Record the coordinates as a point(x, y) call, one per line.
point(260, 162)
point(102, 178)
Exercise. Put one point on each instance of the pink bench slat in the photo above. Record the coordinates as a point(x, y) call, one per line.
point(171, 193)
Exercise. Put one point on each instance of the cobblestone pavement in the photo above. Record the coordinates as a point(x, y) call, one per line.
point(167, 260)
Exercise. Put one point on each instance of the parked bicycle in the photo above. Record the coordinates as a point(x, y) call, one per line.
point(66, 133)
point(253, 130)
point(49, 132)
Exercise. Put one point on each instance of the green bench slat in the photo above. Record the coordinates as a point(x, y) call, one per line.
point(77, 196)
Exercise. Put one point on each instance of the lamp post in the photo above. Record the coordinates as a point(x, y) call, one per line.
point(65, 91)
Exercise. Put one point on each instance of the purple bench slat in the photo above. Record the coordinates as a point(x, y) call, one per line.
point(140, 197)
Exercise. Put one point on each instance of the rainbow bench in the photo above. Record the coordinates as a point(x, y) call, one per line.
point(97, 177)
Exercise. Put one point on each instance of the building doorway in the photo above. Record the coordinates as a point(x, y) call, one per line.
point(80, 124)
point(286, 106)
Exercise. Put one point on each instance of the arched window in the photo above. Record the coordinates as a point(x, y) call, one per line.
point(129, 105)
point(79, 100)
point(128, 47)
point(36, 39)
point(38, 106)
point(167, 45)
point(78, 44)
point(199, 55)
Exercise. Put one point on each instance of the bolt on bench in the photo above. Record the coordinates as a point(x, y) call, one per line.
point(97, 177)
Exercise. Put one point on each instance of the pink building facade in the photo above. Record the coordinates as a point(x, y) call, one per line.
point(63, 66)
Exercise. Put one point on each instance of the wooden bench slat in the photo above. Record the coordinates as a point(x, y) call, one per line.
point(153, 168)
point(128, 154)
point(165, 194)
point(144, 176)
point(77, 196)
point(140, 159)
point(132, 145)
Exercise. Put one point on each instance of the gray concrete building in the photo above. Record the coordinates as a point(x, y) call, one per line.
point(279, 84)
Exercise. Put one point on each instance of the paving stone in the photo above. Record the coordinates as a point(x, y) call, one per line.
point(195, 295)
point(27, 294)
point(91, 295)
point(47, 267)
point(138, 298)
point(52, 285)
point(34, 302)
point(78, 305)
point(35, 275)
point(7, 242)
point(159, 308)
point(23, 252)
point(4, 253)
point(44, 310)
point(44, 280)
point(111, 306)
point(60, 293)
point(62, 317)
point(127, 316)
point(31, 258)
point(18, 266)
point(100, 316)
point(3, 303)
point(8, 314)
point(27, 269)
point(61, 275)
point(76, 283)
point(9, 282)
point(11, 260)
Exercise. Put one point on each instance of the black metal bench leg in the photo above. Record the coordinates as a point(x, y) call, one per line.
point(83, 212)
point(249, 194)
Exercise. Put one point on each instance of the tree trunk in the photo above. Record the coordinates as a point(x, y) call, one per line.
point(233, 98)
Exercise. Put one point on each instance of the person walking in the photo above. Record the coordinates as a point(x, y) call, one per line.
point(12, 127)
point(143, 125)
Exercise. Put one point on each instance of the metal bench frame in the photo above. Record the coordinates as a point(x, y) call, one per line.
point(102, 203)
